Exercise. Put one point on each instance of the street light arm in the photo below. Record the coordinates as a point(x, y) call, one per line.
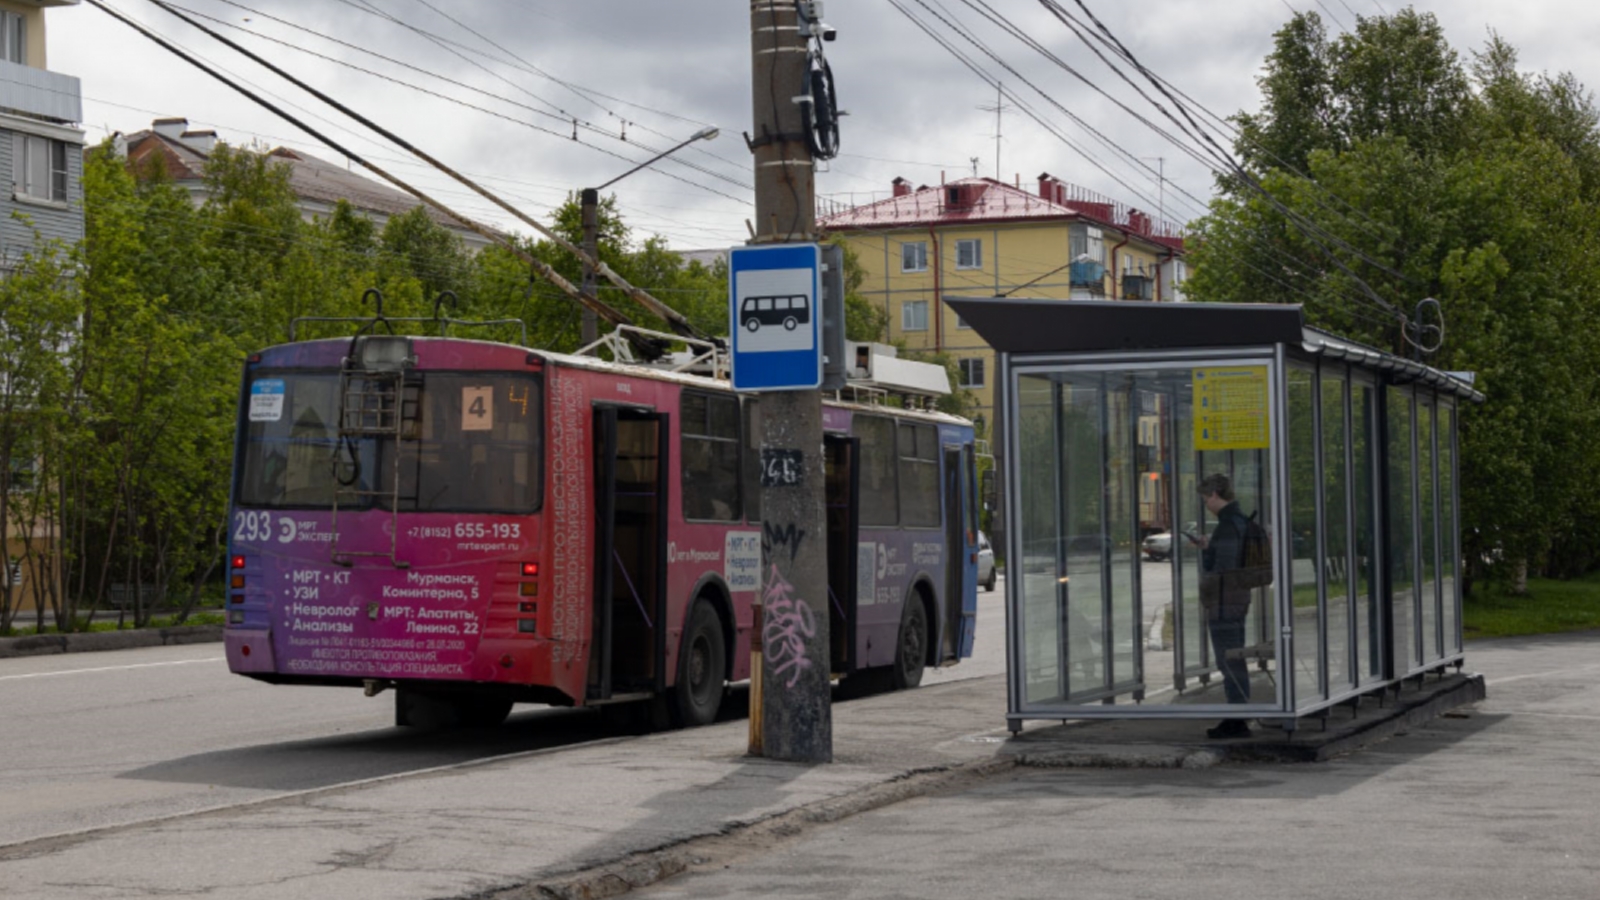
point(704, 134)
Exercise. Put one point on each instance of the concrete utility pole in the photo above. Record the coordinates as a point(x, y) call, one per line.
point(795, 709)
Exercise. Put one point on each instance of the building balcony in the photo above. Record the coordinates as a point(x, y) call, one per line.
point(40, 93)
point(1088, 274)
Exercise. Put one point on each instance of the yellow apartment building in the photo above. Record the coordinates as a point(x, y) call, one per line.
point(979, 237)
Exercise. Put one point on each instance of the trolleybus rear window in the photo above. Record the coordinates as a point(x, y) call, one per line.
point(467, 442)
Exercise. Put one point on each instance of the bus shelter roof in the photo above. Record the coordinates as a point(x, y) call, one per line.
point(1080, 326)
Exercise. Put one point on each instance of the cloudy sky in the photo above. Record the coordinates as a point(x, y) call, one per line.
point(641, 75)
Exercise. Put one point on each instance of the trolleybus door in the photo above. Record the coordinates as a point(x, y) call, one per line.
point(961, 550)
point(630, 560)
point(843, 498)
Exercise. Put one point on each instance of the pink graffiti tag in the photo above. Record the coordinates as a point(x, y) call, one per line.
point(788, 624)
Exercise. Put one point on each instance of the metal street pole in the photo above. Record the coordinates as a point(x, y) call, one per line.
point(589, 204)
point(795, 707)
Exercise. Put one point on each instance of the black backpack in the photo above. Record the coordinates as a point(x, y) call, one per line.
point(1255, 557)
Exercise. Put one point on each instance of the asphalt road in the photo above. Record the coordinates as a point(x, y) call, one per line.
point(98, 739)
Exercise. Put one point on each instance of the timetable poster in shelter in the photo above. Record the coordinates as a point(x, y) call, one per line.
point(1230, 408)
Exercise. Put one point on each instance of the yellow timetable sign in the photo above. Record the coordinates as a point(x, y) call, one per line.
point(1230, 408)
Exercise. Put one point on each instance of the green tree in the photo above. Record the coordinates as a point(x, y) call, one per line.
point(1476, 187)
point(39, 316)
point(863, 321)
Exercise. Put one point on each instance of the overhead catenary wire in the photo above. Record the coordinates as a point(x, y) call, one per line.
point(1220, 161)
point(1019, 101)
point(1368, 296)
point(543, 269)
point(1320, 191)
point(452, 46)
point(456, 100)
point(1311, 229)
point(674, 319)
point(516, 61)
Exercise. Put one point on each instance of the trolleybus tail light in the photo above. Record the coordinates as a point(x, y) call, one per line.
point(238, 562)
point(527, 607)
point(236, 617)
point(530, 570)
point(529, 589)
point(238, 581)
point(528, 626)
point(236, 599)
point(254, 358)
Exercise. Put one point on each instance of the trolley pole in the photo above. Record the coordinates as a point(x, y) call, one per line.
point(792, 718)
point(589, 204)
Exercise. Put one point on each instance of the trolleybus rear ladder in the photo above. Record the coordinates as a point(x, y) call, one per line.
point(373, 404)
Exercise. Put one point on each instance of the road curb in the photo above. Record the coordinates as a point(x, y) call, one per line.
point(647, 867)
point(1121, 758)
point(89, 642)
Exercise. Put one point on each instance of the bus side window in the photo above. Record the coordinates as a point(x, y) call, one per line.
point(879, 498)
point(919, 475)
point(710, 453)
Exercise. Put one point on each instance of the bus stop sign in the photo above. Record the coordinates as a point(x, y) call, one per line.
point(774, 317)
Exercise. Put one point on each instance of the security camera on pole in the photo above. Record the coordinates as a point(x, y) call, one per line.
point(781, 320)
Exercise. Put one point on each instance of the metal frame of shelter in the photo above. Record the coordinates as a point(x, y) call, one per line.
point(1110, 413)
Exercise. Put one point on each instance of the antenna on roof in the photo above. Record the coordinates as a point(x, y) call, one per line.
point(998, 109)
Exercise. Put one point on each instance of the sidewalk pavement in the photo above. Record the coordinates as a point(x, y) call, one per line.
point(603, 818)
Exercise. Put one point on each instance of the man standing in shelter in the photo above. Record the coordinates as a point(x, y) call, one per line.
point(1223, 599)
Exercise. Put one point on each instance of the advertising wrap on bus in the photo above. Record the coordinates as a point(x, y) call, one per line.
point(474, 524)
point(363, 621)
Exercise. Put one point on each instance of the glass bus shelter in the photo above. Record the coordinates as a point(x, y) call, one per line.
point(1112, 414)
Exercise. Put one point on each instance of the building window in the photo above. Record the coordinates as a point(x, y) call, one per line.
point(13, 38)
point(969, 254)
point(38, 167)
point(972, 372)
point(914, 256)
point(914, 315)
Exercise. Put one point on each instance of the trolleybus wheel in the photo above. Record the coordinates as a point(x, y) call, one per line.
point(702, 668)
point(911, 650)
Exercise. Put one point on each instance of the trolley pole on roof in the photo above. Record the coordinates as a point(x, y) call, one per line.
point(792, 718)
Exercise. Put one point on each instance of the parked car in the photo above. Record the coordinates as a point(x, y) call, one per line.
point(1158, 546)
point(986, 573)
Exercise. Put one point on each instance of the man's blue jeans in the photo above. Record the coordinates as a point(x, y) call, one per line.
point(1227, 633)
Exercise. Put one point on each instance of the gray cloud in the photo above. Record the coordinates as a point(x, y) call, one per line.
point(666, 67)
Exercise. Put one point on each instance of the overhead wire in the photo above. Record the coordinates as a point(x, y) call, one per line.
point(993, 82)
point(1311, 228)
point(543, 269)
point(450, 99)
point(1222, 161)
point(1240, 137)
point(451, 46)
point(674, 319)
point(1000, 21)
